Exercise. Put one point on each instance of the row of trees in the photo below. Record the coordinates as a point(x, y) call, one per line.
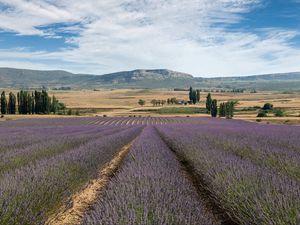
point(172, 101)
point(194, 95)
point(226, 109)
point(156, 102)
point(37, 102)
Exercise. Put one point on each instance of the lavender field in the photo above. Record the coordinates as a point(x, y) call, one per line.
point(177, 170)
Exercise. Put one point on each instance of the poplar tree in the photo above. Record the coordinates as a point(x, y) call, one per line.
point(191, 94)
point(29, 103)
point(228, 110)
point(11, 103)
point(208, 102)
point(18, 101)
point(214, 108)
point(3, 103)
point(32, 103)
point(222, 112)
point(198, 95)
point(194, 97)
point(38, 102)
point(54, 105)
point(231, 111)
point(23, 102)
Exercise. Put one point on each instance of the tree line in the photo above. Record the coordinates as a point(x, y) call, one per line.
point(194, 95)
point(25, 102)
point(226, 109)
point(157, 102)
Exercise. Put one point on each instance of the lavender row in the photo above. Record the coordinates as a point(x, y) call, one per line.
point(276, 147)
point(31, 193)
point(11, 138)
point(249, 192)
point(149, 189)
point(16, 158)
point(51, 122)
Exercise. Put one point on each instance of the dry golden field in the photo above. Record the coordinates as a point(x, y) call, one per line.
point(123, 102)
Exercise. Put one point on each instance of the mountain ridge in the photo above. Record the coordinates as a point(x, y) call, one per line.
point(143, 78)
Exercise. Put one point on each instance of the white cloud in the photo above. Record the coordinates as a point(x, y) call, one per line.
point(185, 35)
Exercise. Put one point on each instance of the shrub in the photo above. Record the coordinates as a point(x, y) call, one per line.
point(262, 114)
point(268, 106)
point(278, 113)
point(141, 102)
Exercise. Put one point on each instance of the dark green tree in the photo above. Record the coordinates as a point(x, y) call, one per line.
point(229, 109)
point(214, 108)
point(46, 102)
point(268, 106)
point(222, 112)
point(23, 102)
point(153, 102)
point(262, 114)
point(141, 102)
point(191, 94)
point(32, 103)
point(54, 105)
point(18, 101)
point(11, 103)
point(208, 102)
point(194, 97)
point(38, 102)
point(198, 95)
point(29, 103)
point(3, 103)
point(231, 106)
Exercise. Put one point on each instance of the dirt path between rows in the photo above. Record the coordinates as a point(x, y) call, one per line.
point(83, 200)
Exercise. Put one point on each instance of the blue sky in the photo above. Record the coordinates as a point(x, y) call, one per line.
point(201, 37)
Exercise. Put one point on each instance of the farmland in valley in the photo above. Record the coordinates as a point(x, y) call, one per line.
point(124, 102)
point(171, 171)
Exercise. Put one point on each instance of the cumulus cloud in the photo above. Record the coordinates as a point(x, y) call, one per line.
point(191, 36)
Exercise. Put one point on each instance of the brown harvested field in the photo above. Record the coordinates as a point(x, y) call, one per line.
point(126, 98)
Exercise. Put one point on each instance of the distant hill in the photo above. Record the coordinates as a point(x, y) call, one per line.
point(21, 78)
